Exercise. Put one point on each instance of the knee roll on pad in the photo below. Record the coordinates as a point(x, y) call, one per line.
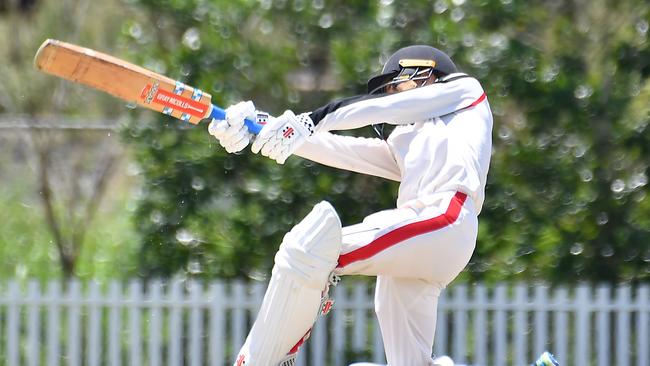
point(307, 256)
point(311, 249)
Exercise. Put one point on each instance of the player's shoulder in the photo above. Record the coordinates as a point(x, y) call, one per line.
point(459, 79)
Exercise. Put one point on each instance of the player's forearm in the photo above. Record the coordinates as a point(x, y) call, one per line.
point(400, 108)
point(361, 155)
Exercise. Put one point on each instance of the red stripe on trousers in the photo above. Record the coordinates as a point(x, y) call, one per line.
point(405, 232)
point(302, 340)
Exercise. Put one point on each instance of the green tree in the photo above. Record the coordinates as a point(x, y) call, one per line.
point(55, 177)
point(569, 175)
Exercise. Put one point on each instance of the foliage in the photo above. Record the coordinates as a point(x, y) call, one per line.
point(567, 81)
point(569, 173)
point(56, 219)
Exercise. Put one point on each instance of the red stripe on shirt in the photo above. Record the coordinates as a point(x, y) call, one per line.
point(476, 102)
point(405, 232)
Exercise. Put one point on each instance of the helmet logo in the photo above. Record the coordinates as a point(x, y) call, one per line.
point(416, 63)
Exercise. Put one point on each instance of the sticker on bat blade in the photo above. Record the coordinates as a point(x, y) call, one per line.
point(152, 93)
point(149, 92)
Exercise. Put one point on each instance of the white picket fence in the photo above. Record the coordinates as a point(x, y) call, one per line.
point(195, 324)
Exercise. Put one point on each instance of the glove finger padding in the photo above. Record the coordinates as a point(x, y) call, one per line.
point(282, 157)
point(237, 113)
point(232, 132)
point(260, 141)
point(236, 140)
point(236, 143)
point(217, 128)
point(268, 147)
point(279, 154)
point(235, 133)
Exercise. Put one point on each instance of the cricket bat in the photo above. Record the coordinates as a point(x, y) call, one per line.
point(129, 82)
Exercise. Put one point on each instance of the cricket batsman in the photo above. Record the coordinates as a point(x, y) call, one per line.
point(439, 151)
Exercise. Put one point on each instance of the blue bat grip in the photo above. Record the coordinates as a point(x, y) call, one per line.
point(218, 113)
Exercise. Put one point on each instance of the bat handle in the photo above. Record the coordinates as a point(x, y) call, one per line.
point(220, 114)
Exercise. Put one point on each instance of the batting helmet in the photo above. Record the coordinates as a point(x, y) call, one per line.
point(407, 61)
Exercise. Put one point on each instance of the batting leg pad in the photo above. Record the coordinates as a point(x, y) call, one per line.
point(307, 256)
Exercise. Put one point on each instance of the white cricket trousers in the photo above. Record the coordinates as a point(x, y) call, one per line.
point(414, 252)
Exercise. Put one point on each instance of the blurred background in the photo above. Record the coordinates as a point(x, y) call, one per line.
point(93, 189)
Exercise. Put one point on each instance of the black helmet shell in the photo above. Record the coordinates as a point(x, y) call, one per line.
point(442, 63)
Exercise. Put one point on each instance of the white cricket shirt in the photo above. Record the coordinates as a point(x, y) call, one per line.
point(442, 142)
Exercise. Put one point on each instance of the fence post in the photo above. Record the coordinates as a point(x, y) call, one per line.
point(175, 298)
point(135, 321)
point(540, 303)
point(359, 316)
point(440, 341)
point(13, 324)
point(378, 352)
point(114, 324)
point(33, 351)
point(603, 331)
point(460, 323)
point(196, 324)
point(643, 338)
point(560, 324)
point(238, 293)
point(74, 323)
point(93, 355)
point(582, 311)
point(155, 323)
point(521, 332)
point(217, 338)
point(480, 325)
point(53, 323)
point(501, 325)
point(622, 335)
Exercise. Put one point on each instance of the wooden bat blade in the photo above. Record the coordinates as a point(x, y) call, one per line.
point(124, 80)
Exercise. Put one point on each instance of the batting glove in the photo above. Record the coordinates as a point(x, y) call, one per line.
point(283, 135)
point(232, 133)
